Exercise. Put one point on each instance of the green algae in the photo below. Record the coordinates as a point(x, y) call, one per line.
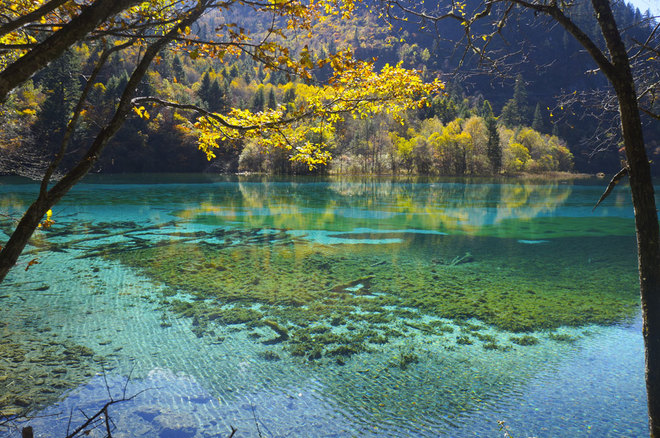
point(391, 311)
point(326, 301)
point(463, 340)
point(524, 340)
point(35, 373)
point(562, 338)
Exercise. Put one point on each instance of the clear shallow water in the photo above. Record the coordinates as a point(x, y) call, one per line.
point(432, 286)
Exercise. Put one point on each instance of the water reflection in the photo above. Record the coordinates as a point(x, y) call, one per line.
point(369, 307)
point(515, 210)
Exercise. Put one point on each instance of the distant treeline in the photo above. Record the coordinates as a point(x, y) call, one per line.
point(483, 131)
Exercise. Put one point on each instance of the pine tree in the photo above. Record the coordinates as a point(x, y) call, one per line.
point(289, 95)
point(356, 40)
point(217, 99)
point(272, 103)
point(259, 100)
point(538, 123)
point(61, 88)
point(555, 130)
point(203, 92)
point(332, 47)
point(516, 111)
point(493, 148)
point(487, 110)
point(177, 69)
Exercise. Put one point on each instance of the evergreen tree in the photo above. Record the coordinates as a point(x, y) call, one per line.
point(205, 87)
point(538, 123)
point(164, 67)
point(289, 95)
point(516, 110)
point(356, 40)
point(259, 100)
point(62, 89)
point(177, 69)
point(115, 86)
point(233, 73)
point(487, 110)
point(217, 98)
point(332, 47)
point(272, 102)
point(493, 149)
point(445, 109)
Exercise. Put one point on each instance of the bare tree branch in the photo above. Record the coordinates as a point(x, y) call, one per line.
point(32, 16)
point(613, 182)
point(71, 126)
point(51, 48)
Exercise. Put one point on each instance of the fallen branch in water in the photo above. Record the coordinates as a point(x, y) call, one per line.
point(615, 180)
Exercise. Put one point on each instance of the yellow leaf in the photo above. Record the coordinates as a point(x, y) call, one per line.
point(30, 263)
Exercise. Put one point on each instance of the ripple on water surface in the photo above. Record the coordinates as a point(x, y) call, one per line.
point(402, 323)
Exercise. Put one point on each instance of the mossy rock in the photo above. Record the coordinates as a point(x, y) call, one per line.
point(235, 315)
point(316, 353)
point(282, 332)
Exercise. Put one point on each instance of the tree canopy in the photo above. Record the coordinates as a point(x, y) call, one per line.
point(35, 34)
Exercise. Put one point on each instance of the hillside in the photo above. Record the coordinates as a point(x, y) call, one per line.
point(543, 111)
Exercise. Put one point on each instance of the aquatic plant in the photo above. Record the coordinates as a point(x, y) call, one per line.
point(406, 358)
point(524, 340)
point(325, 301)
point(53, 368)
point(562, 337)
point(463, 340)
point(269, 355)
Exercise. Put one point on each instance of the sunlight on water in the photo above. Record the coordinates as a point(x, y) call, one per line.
point(327, 307)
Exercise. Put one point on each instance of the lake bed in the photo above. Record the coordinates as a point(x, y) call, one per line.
point(327, 307)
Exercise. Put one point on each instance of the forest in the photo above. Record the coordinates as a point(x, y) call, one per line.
point(511, 123)
point(375, 300)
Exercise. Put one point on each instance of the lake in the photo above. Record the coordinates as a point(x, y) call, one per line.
point(325, 307)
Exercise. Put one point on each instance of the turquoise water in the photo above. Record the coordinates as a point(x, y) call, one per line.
point(411, 308)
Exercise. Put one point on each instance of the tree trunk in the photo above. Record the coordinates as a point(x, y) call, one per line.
point(646, 214)
point(46, 199)
point(51, 48)
point(21, 235)
point(646, 226)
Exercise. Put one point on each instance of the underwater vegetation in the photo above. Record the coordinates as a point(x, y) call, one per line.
point(36, 377)
point(396, 327)
point(334, 301)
